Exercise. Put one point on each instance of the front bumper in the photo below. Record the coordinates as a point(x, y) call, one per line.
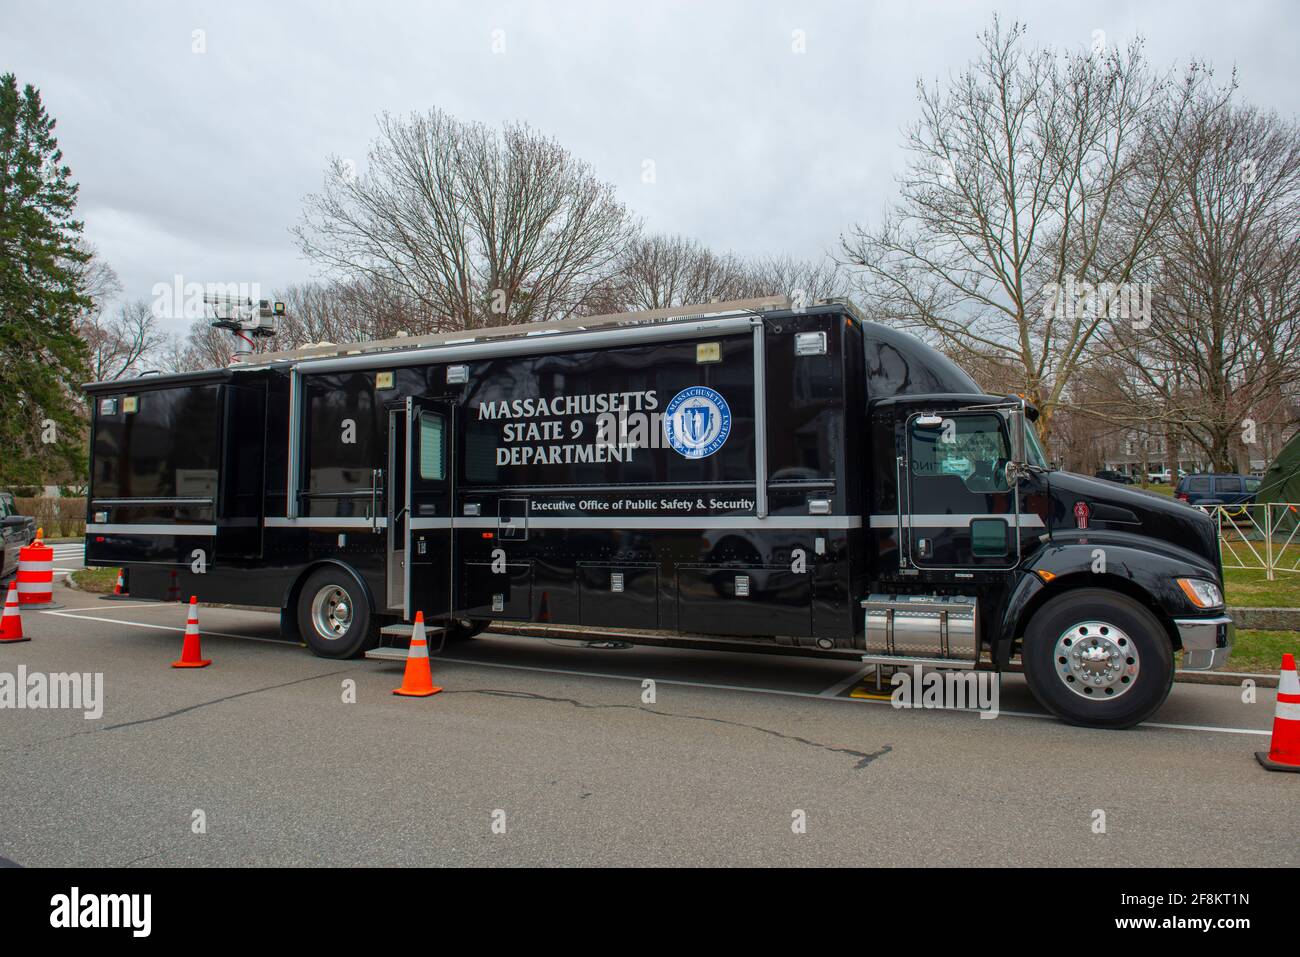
point(1207, 642)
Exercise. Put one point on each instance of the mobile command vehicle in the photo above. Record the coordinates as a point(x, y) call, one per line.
point(758, 476)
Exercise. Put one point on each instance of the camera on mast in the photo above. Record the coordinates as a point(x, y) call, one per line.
point(243, 318)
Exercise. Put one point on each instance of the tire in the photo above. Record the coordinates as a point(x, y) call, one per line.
point(464, 630)
point(1132, 660)
point(329, 632)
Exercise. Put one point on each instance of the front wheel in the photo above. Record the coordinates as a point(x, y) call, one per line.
point(1097, 658)
point(334, 615)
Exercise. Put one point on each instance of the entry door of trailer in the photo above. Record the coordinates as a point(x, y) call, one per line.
point(429, 503)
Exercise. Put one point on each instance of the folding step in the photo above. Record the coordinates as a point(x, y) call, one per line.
point(396, 638)
point(401, 630)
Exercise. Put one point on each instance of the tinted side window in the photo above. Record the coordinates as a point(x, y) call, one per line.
point(1200, 484)
point(1227, 484)
point(345, 430)
point(168, 447)
point(433, 462)
point(971, 447)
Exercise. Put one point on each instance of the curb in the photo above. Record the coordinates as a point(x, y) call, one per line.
point(1265, 619)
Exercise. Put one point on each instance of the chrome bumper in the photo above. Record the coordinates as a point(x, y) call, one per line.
point(1207, 642)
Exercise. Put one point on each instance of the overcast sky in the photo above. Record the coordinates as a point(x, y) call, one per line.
point(197, 163)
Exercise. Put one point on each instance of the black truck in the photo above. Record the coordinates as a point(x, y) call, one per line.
point(775, 478)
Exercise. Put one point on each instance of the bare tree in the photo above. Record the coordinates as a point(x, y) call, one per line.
point(804, 280)
point(1034, 173)
point(1223, 349)
point(658, 271)
point(479, 227)
point(349, 311)
point(119, 340)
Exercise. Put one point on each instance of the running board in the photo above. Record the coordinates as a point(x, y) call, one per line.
point(386, 654)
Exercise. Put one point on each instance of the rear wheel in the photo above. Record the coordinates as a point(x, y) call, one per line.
point(334, 615)
point(1097, 658)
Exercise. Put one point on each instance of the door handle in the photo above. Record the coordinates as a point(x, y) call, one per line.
point(376, 480)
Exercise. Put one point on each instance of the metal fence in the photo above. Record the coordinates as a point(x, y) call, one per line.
point(1259, 537)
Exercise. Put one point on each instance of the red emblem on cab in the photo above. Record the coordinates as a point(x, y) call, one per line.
point(1081, 514)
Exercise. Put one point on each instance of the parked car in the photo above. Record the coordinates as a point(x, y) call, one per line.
point(15, 532)
point(1217, 489)
point(1110, 475)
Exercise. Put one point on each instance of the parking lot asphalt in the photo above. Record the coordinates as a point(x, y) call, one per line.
point(550, 753)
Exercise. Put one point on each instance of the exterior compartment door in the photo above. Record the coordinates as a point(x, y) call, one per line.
point(426, 519)
point(743, 600)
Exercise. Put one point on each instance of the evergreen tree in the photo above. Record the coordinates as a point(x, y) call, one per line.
point(42, 294)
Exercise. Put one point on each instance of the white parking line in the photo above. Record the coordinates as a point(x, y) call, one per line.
point(710, 686)
point(821, 695)
point(141, 624)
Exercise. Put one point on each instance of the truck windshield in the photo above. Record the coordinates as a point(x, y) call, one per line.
point(1033, 450)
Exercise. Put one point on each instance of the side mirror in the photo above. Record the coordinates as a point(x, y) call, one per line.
point(1016, 425)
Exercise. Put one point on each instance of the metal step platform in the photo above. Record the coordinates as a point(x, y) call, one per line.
point(395, 650)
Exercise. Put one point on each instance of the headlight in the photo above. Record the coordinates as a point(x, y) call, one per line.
point(1201, 593)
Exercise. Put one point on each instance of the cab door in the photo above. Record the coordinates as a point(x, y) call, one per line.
point(429, 566)
point(961, 511)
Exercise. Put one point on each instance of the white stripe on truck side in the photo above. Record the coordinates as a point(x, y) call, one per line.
point(123, 528)
point(953, 521)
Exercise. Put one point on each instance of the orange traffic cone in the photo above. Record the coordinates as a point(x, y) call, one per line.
point(1284, 751)
point(417, 682)
point(191, 653)
point(11, 625)
point(121, 590)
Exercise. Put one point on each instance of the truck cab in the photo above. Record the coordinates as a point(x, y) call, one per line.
point(981, 549)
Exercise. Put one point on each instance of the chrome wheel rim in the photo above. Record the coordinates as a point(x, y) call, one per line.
point(331, 612)
point(1096, 660)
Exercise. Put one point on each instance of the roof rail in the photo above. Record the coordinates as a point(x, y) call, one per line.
point(465, 336)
